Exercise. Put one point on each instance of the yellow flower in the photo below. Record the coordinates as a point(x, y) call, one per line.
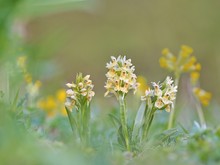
point(54, 105)
point(28, 78)
point(142, 85)
point(61, 95)
point(184, 62)
point(203, 96)
point(168, 60)
point(163, 62)
point(194, 77)
point(49, 105)
point(198, 67)
point(186, 51)
point(189, 65)
point(165, 51)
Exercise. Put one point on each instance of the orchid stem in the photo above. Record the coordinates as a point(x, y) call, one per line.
point(123, 115)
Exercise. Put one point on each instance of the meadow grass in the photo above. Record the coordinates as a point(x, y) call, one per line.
point(66, 128)
point(72, 126)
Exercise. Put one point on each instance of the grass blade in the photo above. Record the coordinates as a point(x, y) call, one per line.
point(138, 120)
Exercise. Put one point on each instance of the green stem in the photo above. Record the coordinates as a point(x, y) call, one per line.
point(83, 120)
point(200, 114)
point(123, 116)
point(172, 113)
point(149, 119)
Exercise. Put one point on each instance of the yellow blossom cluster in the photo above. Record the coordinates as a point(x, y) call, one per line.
point(54, 105)
point(162, 95)
point(120, 76)
point(32, 87)
point(203, 96)
point(184, 62)
point(79, 92)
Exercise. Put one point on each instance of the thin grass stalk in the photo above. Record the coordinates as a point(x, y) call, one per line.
point(172, 113)
point(200, 114)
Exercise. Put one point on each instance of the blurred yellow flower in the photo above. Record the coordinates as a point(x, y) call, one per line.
point(194, 76)
point(168, 60)
point(203, 96)
point(49, 105)
point(163, 62)
point(27, 78)
point(165, 51)
point(198, 67)
point(184, 62)
point(31, 87)
point(186, 51)
point(142, 85)
point(61, 95)
point(190, 65)
point(54, 105)
point(21, 62)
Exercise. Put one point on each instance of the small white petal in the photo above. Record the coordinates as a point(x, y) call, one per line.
point(159, 103)
point(69, 85)
point(69, 92)
point(87, 77)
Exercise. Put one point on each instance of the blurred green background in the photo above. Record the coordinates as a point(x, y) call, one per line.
point(70, 36)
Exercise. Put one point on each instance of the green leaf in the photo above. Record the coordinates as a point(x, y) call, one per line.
point(121, 138)
point(139, 120)
point(14, 103)
point(71, 119)
point(184, 129)
point(167, 138)
point(114, 119)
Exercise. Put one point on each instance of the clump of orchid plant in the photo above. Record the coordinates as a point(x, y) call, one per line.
point(120, 80)
point(160, 97)
point(78, 97)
